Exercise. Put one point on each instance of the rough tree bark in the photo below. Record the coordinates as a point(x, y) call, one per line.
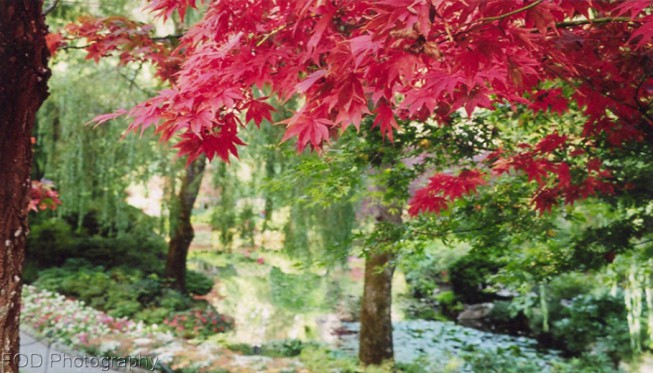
point(23, 88)
point(376, 317)
point(182, 232)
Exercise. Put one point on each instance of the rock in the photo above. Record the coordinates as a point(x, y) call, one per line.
point(473, 315)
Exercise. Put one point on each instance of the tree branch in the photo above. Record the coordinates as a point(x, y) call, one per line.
point(502, 16)
point(49, 9)
point(167, 37)
point(595, 21)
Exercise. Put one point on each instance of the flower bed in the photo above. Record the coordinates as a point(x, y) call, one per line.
point(73, 324)
point(199, 323)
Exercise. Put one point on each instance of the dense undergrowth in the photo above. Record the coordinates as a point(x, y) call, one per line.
point(119, 273)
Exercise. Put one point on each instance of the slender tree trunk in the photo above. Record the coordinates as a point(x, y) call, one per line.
point(376, 316)
point(23, 88)
point(182, 232)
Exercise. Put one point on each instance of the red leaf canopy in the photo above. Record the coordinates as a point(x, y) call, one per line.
point(410, 59)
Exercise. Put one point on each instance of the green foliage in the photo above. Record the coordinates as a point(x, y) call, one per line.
point(321, 196)
point(594, 323)
point(173, 300)
point(470, 277)
point(223, 215)
point(52, 242)
point(426, 268)
point(66, 149)
point(91, 166)
point(320, 359)
point(198, 283)
point(286, 294)
point(510, 361)
point(120, 291)
point(283, 348)
point(500, 361)
point(449, 303)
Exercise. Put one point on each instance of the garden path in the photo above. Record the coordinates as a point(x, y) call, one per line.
point(38, 357)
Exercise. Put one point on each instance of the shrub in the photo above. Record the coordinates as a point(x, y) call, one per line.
point(53, 241)
point(198, 283)
point(448, 303)
point(594, 323)
point(153, 315)
point(120, 291)
point(282, 348)
point(505, 361)
point(469, 277)
point(174, 300)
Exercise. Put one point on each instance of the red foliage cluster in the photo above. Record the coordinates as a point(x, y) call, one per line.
point(407, 59)
point(554, 178)
point(443, 188)
point(43, 196)
point(131, 40)
point(198, 323)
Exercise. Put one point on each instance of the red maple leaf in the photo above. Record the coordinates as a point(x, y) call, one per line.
point(257, 110)
point(385, 120)
point(54, 40)
point(442, 188)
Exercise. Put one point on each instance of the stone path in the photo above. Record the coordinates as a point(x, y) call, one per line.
point(38, 357)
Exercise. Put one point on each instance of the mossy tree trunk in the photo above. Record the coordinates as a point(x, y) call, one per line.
point(23, 88)
point(376, 344)
point(182, 233)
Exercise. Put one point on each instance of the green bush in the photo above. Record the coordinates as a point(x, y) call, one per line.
point(448, 303)
point(427, 272)
point(53, 241)
point(153, 315)
point(285, 348)
point(49, 243)
point(500, 361)
point(119, 291)
point(30, 272)
point(469, 277)
point(594, 323)
point(319, 359)
point(125, 308)
point(282, 348)
point(174, 301)
point(198, 283)
point(148, 289)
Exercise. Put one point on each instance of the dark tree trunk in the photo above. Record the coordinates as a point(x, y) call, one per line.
point(23, 88)
point(182, 232)
point(376, 316)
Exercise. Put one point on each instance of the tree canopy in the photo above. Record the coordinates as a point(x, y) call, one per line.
point(407, 60)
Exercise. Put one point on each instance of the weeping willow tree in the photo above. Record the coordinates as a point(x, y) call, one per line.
point(93, 167)
point(319, 197)
point(312, 199)
point(634, 275)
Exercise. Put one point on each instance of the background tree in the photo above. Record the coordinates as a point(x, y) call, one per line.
point(137, 45)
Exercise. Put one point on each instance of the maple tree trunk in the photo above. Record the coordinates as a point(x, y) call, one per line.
point(23, 88)
point(182, 233)
point(376, 316)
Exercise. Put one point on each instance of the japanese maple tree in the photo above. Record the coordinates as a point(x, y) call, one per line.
point(411, 60)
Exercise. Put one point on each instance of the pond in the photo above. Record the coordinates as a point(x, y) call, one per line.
point(271, 300)
point(445, 343)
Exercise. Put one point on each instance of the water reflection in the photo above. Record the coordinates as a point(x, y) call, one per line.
point(270, 303)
